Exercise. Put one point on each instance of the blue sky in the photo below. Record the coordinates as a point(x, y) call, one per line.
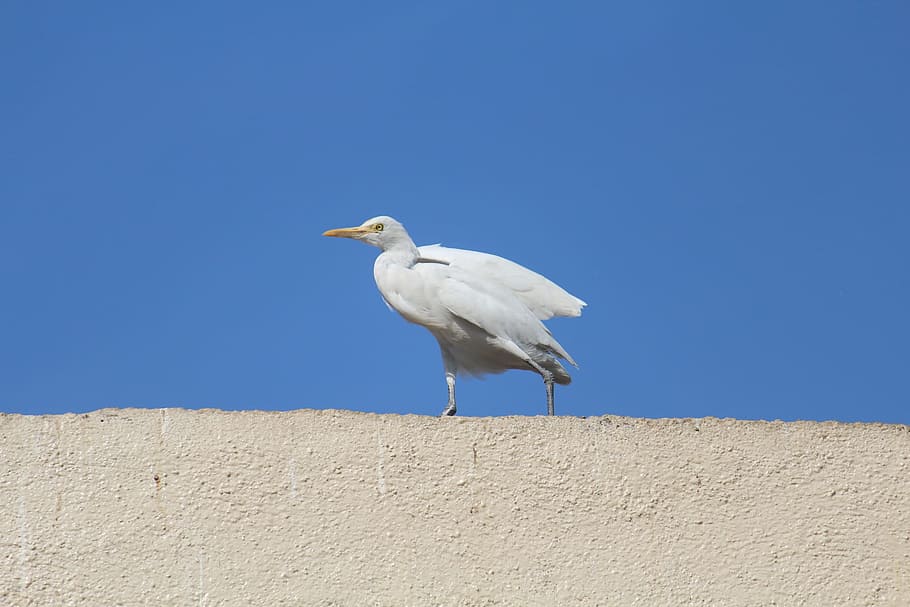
point(726, 185)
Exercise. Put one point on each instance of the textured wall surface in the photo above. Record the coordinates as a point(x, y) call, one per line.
point(175, 507)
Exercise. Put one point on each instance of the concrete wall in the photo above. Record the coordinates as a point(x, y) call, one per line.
point(175, 507)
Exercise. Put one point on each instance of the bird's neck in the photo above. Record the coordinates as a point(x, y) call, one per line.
point(402, 253)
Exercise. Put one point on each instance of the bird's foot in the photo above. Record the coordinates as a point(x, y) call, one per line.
point(449, 410)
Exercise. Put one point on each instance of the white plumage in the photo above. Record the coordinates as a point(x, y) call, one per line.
point(485, 311)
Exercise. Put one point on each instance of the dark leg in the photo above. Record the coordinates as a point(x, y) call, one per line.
point(548, 382)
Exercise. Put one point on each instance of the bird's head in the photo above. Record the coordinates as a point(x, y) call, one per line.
point(383, 232)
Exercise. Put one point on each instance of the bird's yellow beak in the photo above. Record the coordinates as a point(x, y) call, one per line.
point(347, 232)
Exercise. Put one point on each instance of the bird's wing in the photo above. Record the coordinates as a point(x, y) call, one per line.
point(495, 309)
point(542, 296)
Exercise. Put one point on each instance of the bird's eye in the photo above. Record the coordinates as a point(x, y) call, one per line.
point(378, 227)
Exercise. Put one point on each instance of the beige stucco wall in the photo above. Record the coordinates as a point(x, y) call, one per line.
point(175, 507)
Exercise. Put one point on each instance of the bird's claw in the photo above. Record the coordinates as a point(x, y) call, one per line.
point(449, 410)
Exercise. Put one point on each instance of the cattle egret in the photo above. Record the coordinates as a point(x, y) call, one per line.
point(485, 311)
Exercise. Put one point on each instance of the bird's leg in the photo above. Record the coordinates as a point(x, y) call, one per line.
point(450, 382)
point(548, 382)
point(451, 368)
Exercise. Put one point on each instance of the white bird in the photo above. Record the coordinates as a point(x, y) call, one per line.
point(485, 311)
